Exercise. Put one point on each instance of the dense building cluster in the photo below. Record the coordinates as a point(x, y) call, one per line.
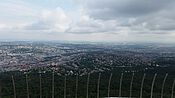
point(82, 58)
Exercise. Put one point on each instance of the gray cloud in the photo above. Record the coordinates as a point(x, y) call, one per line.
point(38, 26)
point(137, 15)
point(93, 20)
point(89, 25)
point(125, 8)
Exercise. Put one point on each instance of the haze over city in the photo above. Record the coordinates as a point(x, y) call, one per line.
point(88, 20)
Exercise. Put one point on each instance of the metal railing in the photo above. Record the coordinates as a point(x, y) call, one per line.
point(97, 86)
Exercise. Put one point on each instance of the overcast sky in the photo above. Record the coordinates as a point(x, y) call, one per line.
point(88, 20)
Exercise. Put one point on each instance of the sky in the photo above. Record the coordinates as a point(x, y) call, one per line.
point(88, 20)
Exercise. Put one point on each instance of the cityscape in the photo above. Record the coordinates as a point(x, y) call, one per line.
point(44, 61)
point(87, 48)
point(82, 58)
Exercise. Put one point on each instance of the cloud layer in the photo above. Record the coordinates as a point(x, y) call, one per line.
point(89, 20)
